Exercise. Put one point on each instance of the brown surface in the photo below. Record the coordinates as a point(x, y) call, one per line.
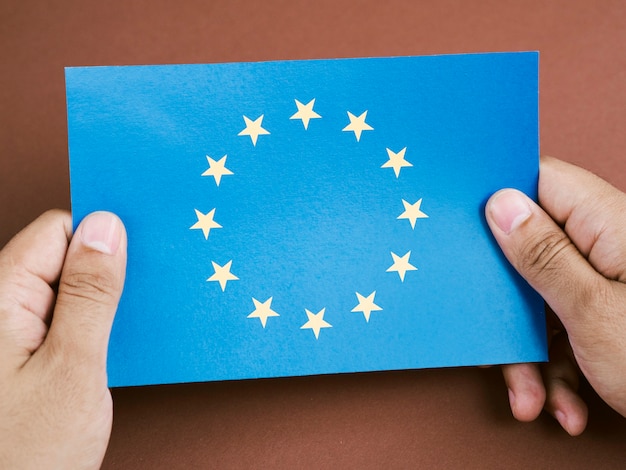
point(456, 418)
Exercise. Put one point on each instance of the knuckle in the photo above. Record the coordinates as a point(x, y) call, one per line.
point(92, 286)
point(55, 214)
point(545, 254)
point(551, 260)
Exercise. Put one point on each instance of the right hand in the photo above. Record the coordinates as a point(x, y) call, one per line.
point(571, 249)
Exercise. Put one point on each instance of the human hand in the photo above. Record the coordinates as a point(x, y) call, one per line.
point(572, 250)
point(58, 297)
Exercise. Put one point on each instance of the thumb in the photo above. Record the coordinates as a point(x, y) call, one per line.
point(545, 256)
point(89, 290)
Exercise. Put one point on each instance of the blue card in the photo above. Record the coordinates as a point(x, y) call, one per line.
point(309, 217)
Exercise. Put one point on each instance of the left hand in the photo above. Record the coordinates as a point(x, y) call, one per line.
point(58, 297)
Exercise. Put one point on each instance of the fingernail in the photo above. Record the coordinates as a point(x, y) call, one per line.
point(101, 232)
point(562, 419)
point(512, 400)
point(509, 209)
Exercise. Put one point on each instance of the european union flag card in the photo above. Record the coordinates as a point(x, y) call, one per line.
point(309, 217)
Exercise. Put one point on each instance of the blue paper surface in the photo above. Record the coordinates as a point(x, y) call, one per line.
point(309, 217)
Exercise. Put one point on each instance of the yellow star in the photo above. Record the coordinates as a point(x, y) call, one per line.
point(396, 161)
point(205, 222)
point(316, 322)
point(217, 169)
point(305, 112)
point(401, 265)
point(222, 274)
point(262, 311)
point(253, 128)
point(412, 212)
point(357, 125)
point(366, 305)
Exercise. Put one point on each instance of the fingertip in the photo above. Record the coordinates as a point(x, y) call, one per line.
point(102, 232)
point(508, 209)
point(573, 422)
point(526, 391)
point(526, 405)
point(570, 411)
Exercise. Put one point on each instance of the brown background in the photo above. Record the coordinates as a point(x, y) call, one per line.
point(455, 418)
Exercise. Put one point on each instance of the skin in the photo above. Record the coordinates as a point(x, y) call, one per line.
point(58, 297)
point(59, 293)
point(572, 249)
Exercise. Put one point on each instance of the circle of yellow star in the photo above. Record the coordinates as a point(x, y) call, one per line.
point(217, 169)
point(357, 125)
point(401, 264)
point(205, 223)
point(222, 274)
point(305, 113)
point(262, 310)
point(396, 161)
point(316, 322)
point(253, 128)
point(366, 305)
point(412, 212)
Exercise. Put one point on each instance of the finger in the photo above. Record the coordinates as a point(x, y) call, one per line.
point(89, 291)
point(33, 255)
point(526, 391)
point(545, 256)
point(561, 377)
point(591, 212)
point(29, 264)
